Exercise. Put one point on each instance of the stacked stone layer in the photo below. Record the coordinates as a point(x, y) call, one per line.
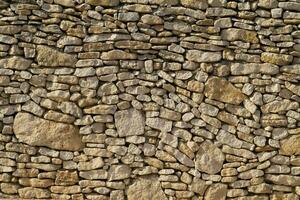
point(150, 99)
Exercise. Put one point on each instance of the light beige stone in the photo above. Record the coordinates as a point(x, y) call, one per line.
point(222, 90)
point(40, 132)
point(145, 188)
point(50, 57)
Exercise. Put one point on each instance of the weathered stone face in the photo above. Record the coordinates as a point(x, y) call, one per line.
point(216, 191)
point(146, 188)
point(150, 99)
point(201, 56)
point(40, 132)
point(15, 62)
point(290, 146)
point(233, 34)
point(222, 90)
point(209, 158)
point(50, 57)
point(129, 122)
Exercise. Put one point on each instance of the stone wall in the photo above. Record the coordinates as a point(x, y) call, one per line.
point(150, 99)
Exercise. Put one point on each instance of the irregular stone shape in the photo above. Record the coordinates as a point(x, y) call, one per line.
point(287, 180)
point(277, 59)
point(10, 29)
point(203, 56)
point(101, 109)
point(222, 90)
point(6, 39)
point(128, 16)
point(278, 106)
point(118, 55)
point(36, 183)
point(292, 69)
point(284, 196)
point(159, 124)
point(34, 193)
point(209, 158)
point(291, 15)
point(66, 3)
point(151, 19)
point(15, 62)
point(36, 131)
point(66, 178)
point(197, 4)
point(293, 88)
point(9, 188)
point(268, 3)
point(198, 186)
point(94, 163)
point(49, 57)
point(68, 40)
point(127, 44)
point(65, 189)
point(178, 26)
point(119, 172)
point(227, 138)
point(253, 68)
point(145, 188)
point(106, 36)
point(164, 2)
point(108, 3)
point(233, 34)
point(129, 122)
point(217, 191)
point(273, 120)
point(94, 174)
point(290, 146)
point(220, 12)
point(289, 6)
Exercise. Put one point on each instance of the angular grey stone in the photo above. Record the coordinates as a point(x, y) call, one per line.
point(128, 16)
point(6, 39)
point(129, 122)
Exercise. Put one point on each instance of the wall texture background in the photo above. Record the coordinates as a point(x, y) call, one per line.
point(150, 99)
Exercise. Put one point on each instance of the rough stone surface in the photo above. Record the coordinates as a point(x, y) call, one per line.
point(39, 132)
point(146, 188)
point(209, 158)
point(291, 145)
point(150, 99)
point(129, 122)
point(47, 56)
point(226, 92)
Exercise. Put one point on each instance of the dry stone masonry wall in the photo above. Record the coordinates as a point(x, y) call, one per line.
point(150, 99)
